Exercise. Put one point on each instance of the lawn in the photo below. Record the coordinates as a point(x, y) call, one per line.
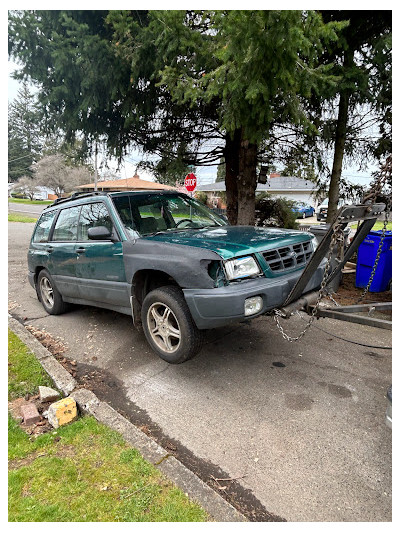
point(377, 226)
point(12, 217)
point(82, 472)
point(29, 202)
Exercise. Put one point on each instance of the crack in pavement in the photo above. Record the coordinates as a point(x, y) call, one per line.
point(28, 319)
point(146, 380)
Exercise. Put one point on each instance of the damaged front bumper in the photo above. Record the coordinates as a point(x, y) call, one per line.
point(212, 308)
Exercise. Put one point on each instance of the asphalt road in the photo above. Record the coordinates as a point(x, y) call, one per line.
point(32, 210)
point(301, 424)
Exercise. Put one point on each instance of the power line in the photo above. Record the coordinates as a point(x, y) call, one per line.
point(18, 158)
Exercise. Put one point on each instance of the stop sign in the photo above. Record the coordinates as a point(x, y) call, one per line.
point(190, 182)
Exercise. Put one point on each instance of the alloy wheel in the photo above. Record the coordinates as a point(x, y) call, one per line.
point(163, 327)
point(46, 292)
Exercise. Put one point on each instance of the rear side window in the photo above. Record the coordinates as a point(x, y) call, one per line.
point(43, 227)
point(67, 225)
point(92, 216)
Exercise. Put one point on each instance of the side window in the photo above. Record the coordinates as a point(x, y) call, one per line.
point(67, 224)
point(43, 227)
point(152, 218)
point(93, 215)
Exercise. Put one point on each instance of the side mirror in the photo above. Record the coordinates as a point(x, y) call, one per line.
point(99, 233)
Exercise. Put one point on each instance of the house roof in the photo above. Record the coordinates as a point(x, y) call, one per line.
point(134, 183)
point(278, 184)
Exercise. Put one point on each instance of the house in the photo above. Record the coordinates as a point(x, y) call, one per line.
point(289, 187)
point(127, 184)
point(41, 192)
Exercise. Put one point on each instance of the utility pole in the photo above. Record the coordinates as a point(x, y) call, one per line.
point(95, 166)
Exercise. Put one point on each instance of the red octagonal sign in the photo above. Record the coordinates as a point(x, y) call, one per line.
point(190, 182)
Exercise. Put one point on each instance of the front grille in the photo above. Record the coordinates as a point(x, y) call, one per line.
point(288, 257)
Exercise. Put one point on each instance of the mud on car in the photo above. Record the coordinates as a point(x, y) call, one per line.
point(165, 259)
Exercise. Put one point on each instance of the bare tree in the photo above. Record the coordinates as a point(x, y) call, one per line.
point(53, 172)
point(27, 186)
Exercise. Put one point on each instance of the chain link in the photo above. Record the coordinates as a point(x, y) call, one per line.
point(337, 236)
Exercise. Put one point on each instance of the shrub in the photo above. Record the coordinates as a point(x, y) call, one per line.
point(276, 212)
point(201, 197)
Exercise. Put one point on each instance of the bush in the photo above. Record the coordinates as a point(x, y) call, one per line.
point(275, 212)
point(201, 197)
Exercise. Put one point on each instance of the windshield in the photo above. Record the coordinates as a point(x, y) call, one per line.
point(152, 213)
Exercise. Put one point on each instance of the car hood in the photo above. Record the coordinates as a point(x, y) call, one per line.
point(233, 241)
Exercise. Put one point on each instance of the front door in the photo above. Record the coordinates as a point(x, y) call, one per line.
point(99, 264)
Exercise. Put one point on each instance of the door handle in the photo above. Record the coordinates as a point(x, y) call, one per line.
point(80, 250)
point(49, 249)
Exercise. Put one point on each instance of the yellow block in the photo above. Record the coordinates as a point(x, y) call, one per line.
point(62, 412)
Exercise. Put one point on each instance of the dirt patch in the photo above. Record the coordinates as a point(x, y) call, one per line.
point(62, 452)
point(40, 427)
point(348, 293)
point(56, 347)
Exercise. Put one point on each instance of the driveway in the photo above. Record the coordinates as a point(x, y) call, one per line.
point(300, 427)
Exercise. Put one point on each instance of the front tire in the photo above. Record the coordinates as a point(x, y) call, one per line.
point(48, 294)
point(169, 327)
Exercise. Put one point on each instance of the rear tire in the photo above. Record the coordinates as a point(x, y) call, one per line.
point(169, 327)
point(48, 294)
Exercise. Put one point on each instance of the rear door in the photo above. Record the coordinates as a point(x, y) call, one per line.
point(99, 264)
point(61, 249)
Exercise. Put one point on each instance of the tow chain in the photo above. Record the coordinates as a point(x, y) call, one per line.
point(337, 237)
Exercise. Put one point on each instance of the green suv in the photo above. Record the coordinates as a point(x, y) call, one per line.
point(166, 260)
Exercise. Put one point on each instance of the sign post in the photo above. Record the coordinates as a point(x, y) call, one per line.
point(190, 184)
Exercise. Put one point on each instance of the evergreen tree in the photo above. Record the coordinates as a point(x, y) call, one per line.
point(363, 97)
point(217, 82)
point(257, 66)
point(24, 134)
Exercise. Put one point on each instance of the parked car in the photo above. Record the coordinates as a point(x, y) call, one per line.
point(303, 210)
point(322, 209)
point(165, 259)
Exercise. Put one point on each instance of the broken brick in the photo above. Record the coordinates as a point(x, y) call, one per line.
point(30, 414)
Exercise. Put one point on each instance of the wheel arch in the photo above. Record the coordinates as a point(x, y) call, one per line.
point(143, 282)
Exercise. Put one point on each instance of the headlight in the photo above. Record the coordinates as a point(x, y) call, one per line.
point(314, 243)
point(241, 267)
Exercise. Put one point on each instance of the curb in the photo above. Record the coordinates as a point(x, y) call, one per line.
point(218, 508)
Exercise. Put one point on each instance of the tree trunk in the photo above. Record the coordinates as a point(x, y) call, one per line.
point(340, 140)
point(231, 154)
point(247, 183)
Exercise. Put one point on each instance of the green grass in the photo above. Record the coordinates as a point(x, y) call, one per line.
point(377, 226)
point(29, 202)
point(25, 373)
point(12, 217)
point(83, 472)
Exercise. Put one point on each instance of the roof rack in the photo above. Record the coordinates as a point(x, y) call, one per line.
point(78, 195)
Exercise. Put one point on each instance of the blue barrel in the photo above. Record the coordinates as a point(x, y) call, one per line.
point(366, 259)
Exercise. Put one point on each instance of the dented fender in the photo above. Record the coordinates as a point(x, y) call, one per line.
point(187, 265)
